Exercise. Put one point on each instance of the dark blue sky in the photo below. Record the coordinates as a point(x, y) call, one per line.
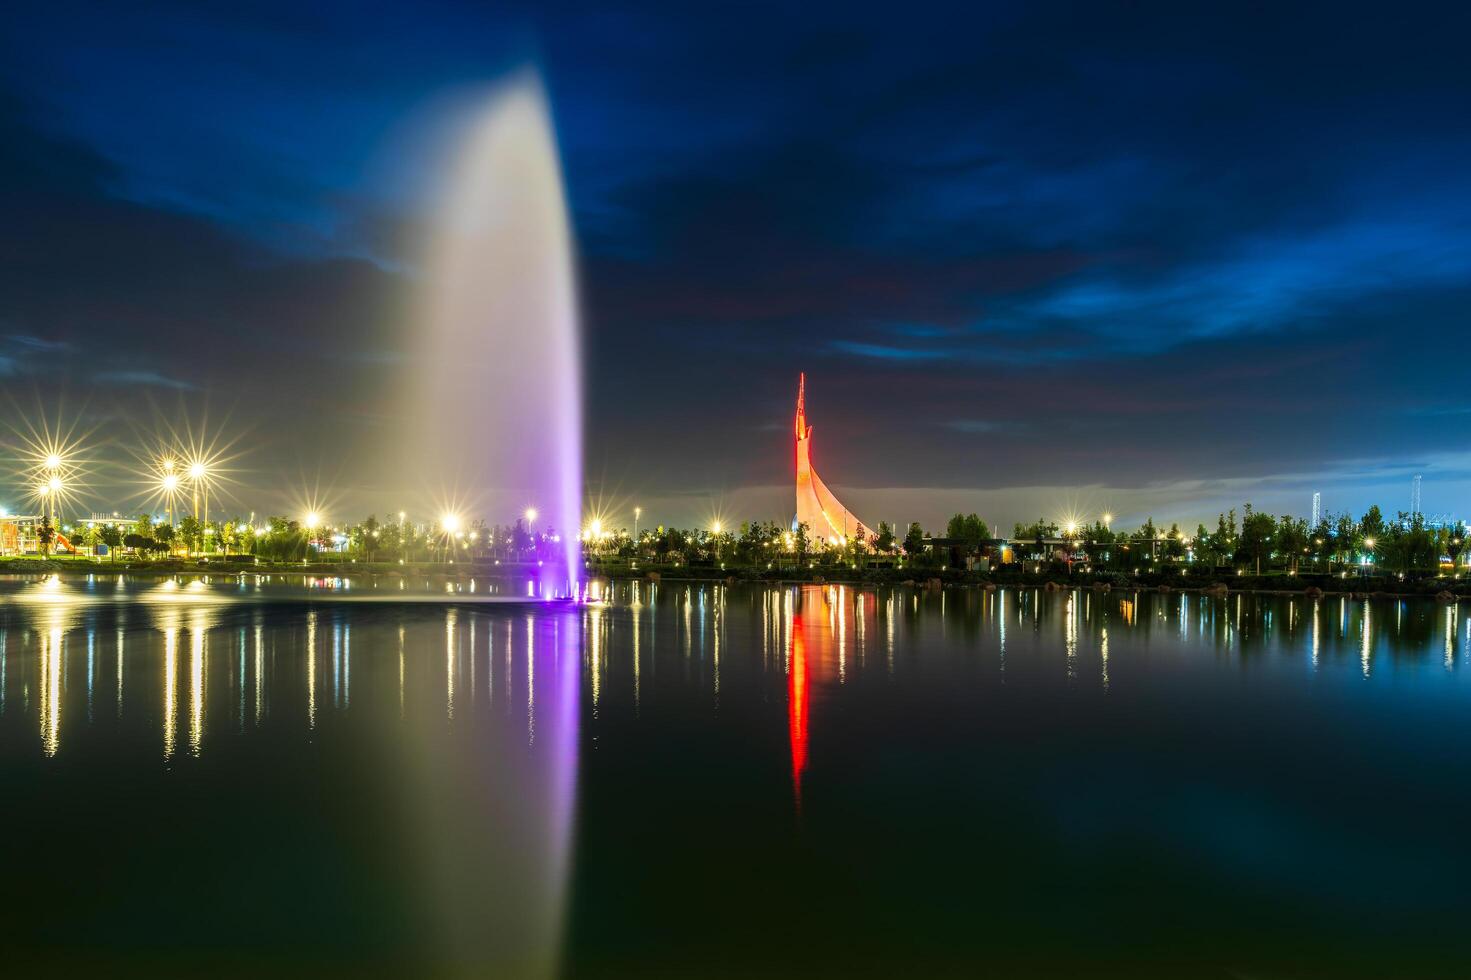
point(1034, 257)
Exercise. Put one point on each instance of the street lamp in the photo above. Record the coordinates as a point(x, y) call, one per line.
point(449, 523)
point(169, 484)
point(199, 476)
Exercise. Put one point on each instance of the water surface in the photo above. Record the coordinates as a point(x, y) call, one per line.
point(354, 777)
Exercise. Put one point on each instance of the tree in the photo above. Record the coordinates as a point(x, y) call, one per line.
point(44, 536)
point(190, 532)
point(1256, 536)
point(1292, 539)
point(803, 538)
point(1174, 547)
point(1322, 539)
point(112, 536)
point(1455, 541)
point(914, 541)
point(1223, 541)
point(885, 540)
point(1347, 535)
point(1098, 540)
point(968, 529)
point(1038, 530)
point(164, 535)
point(1145, 539)
point(1372, 525)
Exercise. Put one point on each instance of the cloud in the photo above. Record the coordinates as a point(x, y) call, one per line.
point(144, 379)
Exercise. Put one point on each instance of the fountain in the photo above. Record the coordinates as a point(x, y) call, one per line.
point(500, 411)
point(503, 424)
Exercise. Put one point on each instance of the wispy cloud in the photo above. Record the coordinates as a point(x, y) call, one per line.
point(40, 345)
point(143, 379)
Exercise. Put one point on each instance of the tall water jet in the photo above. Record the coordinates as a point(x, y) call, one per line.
point(500, 418)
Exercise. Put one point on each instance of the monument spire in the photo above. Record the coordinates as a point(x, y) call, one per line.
point(824, 516)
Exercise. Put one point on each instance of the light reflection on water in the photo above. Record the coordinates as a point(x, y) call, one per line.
point(466, 727)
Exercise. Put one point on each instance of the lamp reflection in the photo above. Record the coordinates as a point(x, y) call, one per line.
point(197, 628)
point(50, 690)
point(170, 628)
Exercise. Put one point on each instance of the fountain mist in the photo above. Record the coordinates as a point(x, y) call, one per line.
point(502, 406)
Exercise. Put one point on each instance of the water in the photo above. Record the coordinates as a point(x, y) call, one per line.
point(497, 421)
point(685, 778)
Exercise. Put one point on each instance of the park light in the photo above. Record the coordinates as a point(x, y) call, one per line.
point(1072, 528)
point(531, 515)
point(170, 482)
point(53, 461)
point(312, 521)
point(54, 484)
point(197, 470)
point(450, 522)
point(1369, 543)
point(168, 465)
point(1107, 519)
point(716, 527)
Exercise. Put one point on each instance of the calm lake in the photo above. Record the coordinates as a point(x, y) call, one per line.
point(296, 776)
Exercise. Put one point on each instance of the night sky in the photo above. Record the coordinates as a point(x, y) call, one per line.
point(1034, 258)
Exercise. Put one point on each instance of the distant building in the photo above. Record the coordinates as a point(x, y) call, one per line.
point(20, 534)
point(816, 505)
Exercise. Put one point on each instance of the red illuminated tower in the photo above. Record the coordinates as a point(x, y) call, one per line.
point(824, 516)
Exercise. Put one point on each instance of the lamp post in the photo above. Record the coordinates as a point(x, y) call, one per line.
point(449, 523)
point(199, 477)
point(170, 485)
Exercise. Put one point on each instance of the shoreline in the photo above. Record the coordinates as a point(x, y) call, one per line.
point(1310, 585)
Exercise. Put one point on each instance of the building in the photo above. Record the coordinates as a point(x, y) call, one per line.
point(20, 534)
point(824, 516)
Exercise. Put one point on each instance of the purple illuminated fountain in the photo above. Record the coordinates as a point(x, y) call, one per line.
point(500, 421)
point(502, 404)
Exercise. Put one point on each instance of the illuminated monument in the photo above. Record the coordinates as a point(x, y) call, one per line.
point(816, 505)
